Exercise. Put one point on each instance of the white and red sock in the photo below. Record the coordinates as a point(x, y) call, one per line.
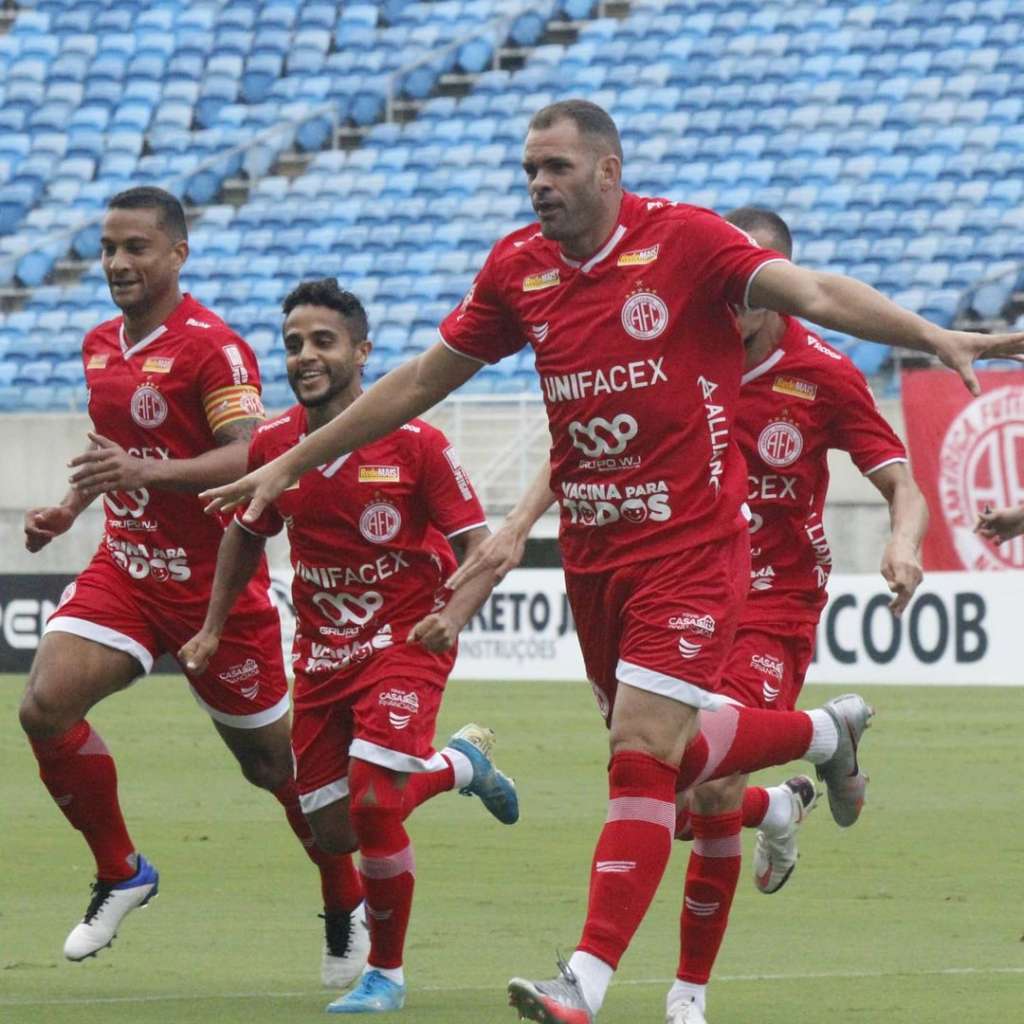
point(77, 769)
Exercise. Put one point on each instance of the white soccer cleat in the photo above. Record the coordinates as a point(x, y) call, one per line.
point(686, 1013)
point(107, 909)
point(346, 947)
point(775, 856)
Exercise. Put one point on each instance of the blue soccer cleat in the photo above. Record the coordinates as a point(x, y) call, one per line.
point(373, 994)
point(109, 905)
point(495, 788)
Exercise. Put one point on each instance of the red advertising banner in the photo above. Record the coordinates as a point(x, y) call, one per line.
point(967, 453)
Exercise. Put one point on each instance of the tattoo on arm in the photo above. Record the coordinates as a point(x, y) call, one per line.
point(233, 433)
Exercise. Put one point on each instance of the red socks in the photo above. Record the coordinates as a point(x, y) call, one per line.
point(79, 772)
point(632, 852)
point(339, 880)
point(711, 878)
point(735, 739)
point(755, 806)
point(386, 863)
point(421, 786)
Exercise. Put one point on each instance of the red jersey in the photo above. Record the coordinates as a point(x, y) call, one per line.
point(163, 398)
point(804, 399)
point(369, 536)
point(640, 363)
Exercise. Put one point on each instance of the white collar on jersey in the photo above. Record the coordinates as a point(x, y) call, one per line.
point(598, 256)
point(152, 336)
point(763, 367)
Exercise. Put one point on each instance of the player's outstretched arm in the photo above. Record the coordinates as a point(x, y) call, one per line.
point(502, 551)
point(439, 630)
point(43, 524)
point(403, 394)
point(106, 466)
point(1000, 524)
point(238, 558)
point(843, 304)
point(908, 519)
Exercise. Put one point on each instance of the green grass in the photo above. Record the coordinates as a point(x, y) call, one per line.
point(914, 915)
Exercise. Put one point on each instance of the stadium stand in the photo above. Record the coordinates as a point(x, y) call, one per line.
point(381, 142)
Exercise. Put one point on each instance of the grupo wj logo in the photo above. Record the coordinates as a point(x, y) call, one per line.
point(149, 407)
point(644, 316)
point(981, 463)
point(601, 437)
point(780, 444)
point(380, 522)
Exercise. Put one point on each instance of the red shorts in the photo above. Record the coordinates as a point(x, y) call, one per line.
point(389, 720)
point(244, 686)
point(767, 666)
point(666, 625)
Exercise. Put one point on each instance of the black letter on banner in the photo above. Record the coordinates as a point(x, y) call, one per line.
point(970, 625)
point(498, 612)
point(841, 654)
point(877, 654)
point(540, 612)
point(929, 601)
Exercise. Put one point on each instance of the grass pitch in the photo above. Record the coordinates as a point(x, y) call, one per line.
point(914, 915)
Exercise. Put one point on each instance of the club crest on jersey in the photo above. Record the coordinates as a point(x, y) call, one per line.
point(644, 315)
point(158, 364)
point(639, 257)
point(379, 474)
point(380, 522)
point(795, 388)
point(538, 282)
point(780, 443)
point(148, 406)
point(97, 362)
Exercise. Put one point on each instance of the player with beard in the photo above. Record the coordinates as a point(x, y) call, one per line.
point(626, 301)
point(371, 537)
point(174, 396)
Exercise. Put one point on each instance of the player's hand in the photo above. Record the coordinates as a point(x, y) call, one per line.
point(498, 554)
point(195, 654)
point(436, 632)
point(256, 490)
point(959, 349)
point(901, 568)
point(43, 524)
point(106, 466)
point(1000, 524)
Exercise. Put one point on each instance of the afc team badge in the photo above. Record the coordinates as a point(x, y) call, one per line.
point(380, 522)
point(780, 443)
point(148, 406)
point(644, 315)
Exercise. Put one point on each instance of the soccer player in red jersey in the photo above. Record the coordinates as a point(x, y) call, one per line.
point(371, 538)
point(626, 302)
point(174, 396)
point(799, 399)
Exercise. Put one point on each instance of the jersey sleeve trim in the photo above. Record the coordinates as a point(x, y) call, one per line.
point(750, 280)
point(229, 404)
point(888, 462)
point(459, 352)
point(249, 529)
point(465, 529)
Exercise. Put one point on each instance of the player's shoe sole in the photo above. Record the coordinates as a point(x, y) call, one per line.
point(775, 857)
point(109, 906)
point(845, 782)
point(557, 1001)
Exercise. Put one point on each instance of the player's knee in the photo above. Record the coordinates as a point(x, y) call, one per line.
point(719, 796)
point(41, 715)
point(333, 831)
point(265, 769)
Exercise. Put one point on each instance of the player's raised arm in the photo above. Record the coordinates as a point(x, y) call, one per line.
point(844, 304)
point(402, 395)
point(499, 553)
point(238, 559)
point(908, 519)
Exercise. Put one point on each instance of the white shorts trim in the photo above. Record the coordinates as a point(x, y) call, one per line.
point(101, 635)
point(253, 721)
point(393, 759)
point(324, 796)
point(675, 689)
